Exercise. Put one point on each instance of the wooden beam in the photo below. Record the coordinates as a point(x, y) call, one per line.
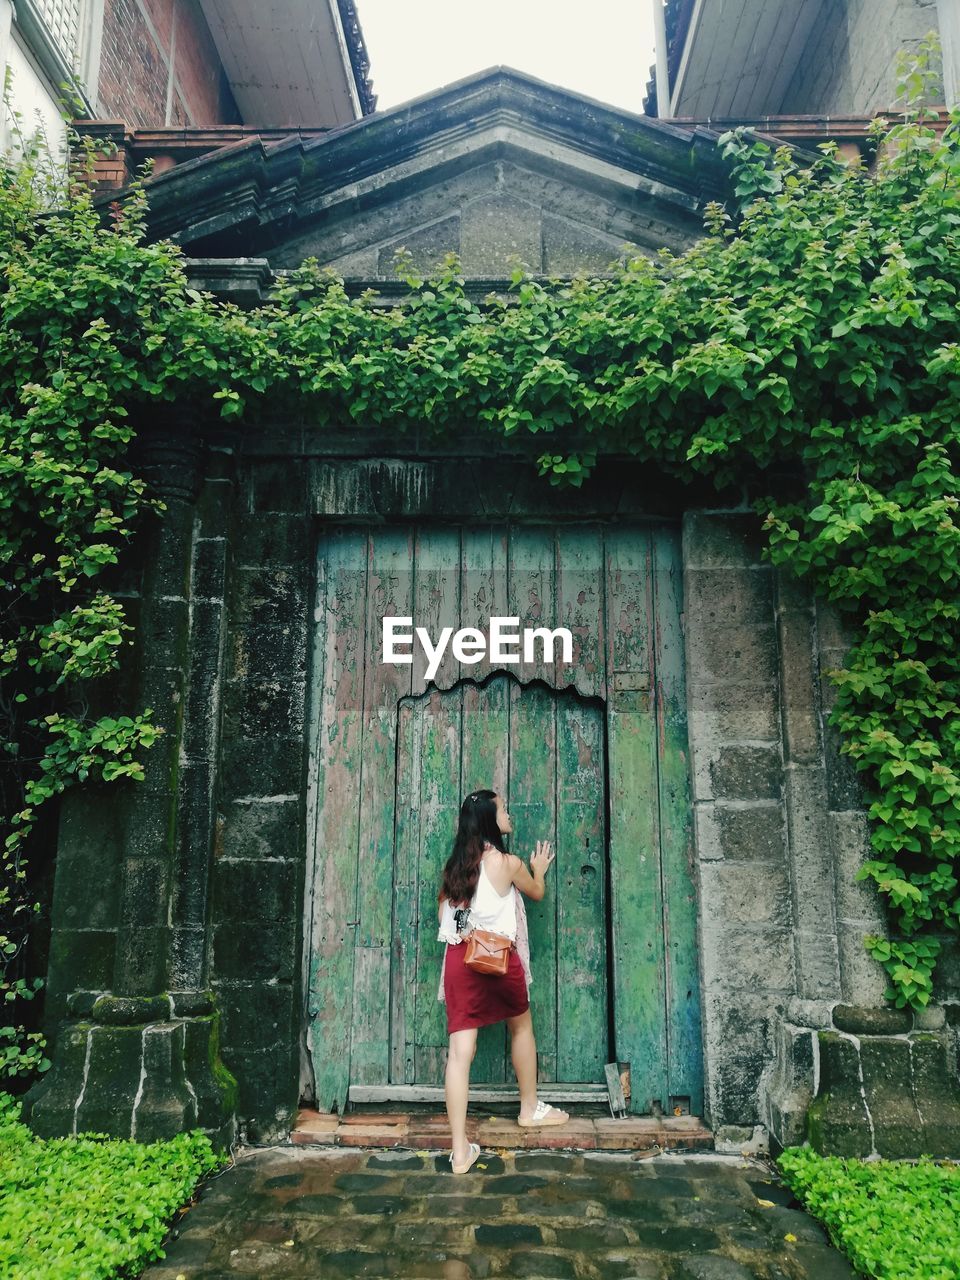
point(592, 1093)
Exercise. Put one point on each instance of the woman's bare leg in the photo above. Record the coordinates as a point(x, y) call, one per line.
point(523, 1055)
point(463, 1047)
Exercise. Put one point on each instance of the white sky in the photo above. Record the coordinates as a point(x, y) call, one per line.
point(603, 48)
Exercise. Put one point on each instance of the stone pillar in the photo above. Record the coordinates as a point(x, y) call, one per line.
point(789, 1079)
point(748, 962)
point(141, 1058)
point(859, 908)
point(809, 835)
point(190, 945)
point(829, 841)
point(171, 465)
point(855, 1078)
point(257, 890)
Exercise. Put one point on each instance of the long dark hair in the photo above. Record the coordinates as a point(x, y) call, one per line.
point(477, 827)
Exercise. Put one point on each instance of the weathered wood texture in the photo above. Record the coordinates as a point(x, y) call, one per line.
point(450, 743)
point(684, 1079)
point(576, 749)
point(335, 769)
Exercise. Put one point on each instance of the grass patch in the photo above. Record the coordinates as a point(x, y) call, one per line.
point(90, 1207)
point(894, 1220)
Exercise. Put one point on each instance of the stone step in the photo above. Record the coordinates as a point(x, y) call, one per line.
point(432, 1132)
point(307, 1212)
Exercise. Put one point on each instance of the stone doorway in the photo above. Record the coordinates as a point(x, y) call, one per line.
point(620, 700)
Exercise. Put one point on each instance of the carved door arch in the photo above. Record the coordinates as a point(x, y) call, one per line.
point(543, 750)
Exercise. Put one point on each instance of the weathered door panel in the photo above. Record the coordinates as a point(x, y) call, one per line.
point(635, 863)
point(435, 795)
point(684, 1073)
point(403, 993)
point(656, 982)
point(515, 734)
point(486, 754)
point(332, 897)
point(580, 887)
point(635, 887)
point(389, 592)
point(531, 798)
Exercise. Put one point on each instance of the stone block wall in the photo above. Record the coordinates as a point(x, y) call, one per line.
point(794, 1014)
point(749, 966)
point(791, 1002)
point(790, 995)
point(849, 64)
point(258, 861)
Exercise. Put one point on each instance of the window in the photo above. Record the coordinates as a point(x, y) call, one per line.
point(63, 37)
point(63, 20)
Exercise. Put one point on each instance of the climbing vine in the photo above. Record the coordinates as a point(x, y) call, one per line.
point(805, 351)
point(68, 507)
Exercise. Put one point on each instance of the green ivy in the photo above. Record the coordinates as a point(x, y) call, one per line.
point(68, 507)
point(894, 1220)
point(805, 350)
point(91, 1207)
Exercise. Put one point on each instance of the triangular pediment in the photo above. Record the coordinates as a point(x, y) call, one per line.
point(499, 168)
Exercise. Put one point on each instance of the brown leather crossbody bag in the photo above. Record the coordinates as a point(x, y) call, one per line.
point(488, 952)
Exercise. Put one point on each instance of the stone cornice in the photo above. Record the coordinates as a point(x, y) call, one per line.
point(253, 194)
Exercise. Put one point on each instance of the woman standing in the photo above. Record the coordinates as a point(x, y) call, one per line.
point(481, 889)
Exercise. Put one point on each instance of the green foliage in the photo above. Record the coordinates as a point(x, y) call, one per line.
point(73, 305)
point(804, 351)
point(893, 1220)
point(90, 1207)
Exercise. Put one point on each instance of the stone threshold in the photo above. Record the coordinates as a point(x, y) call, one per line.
point(640, 1134)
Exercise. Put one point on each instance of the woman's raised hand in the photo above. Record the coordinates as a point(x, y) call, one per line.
point(540, 860)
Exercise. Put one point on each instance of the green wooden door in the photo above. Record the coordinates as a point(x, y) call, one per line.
point(542, 749)
point(594, 750)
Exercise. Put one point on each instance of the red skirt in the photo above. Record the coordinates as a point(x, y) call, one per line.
point(478, 999)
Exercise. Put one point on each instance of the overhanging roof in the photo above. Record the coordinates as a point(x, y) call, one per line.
point(300, 62)
point(734, 58)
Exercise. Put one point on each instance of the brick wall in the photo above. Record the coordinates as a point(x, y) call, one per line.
point(848, 66)
point(142, 41)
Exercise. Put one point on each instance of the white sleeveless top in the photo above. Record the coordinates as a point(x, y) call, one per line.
point(488, 910)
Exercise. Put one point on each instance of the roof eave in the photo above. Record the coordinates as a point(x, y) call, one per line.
point(309, 67)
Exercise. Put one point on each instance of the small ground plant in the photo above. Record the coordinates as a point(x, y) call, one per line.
point(893, 1219)
point(90, 1207)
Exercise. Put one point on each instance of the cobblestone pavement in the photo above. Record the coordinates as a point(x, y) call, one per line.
point(295, 1213)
